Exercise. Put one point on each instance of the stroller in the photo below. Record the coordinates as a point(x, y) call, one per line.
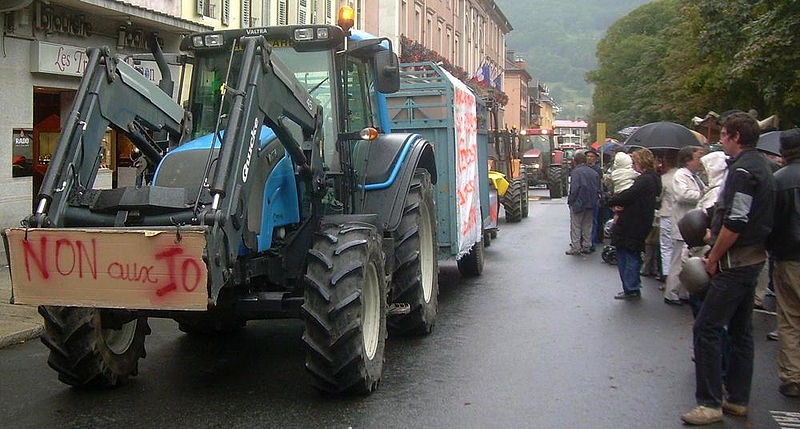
point(609, 254)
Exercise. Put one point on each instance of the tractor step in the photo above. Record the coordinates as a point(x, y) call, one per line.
point(398, 308)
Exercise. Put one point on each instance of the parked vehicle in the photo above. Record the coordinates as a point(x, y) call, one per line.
point(544, 161)
point(272, 195)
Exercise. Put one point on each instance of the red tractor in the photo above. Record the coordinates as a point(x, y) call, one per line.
point(544, 161)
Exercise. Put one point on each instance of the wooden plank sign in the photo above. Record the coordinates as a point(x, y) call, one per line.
point(108, 268)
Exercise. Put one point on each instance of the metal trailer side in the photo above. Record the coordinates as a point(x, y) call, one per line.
point(424, 106)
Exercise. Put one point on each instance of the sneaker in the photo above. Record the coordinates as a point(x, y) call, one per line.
point(772, 336)
point(572, 252)
point(791, 390)
point(702, 415)
point(734, 409)
point(673, 301)
point(628, 295)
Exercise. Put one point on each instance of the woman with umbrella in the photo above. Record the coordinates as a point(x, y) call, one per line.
point(636, 206)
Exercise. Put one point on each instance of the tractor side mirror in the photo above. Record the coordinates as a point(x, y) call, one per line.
point(387, 72)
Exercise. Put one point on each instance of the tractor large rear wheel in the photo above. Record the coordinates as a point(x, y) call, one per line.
point(525, 203)
point(85, 352)
point(416, 278)
point(555, 179)
point(345, 308)
point(512, 201)
point(471, 264)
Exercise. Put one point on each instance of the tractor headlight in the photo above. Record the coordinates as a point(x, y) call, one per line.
point(213, 40)
point(301, 34)
point(322, 33)
point(197, 41)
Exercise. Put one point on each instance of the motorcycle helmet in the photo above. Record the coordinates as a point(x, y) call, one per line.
point(609, 254)
point(694, 276)
point(693, 227)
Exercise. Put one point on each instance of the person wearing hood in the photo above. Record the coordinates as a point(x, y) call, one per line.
point(716, 169)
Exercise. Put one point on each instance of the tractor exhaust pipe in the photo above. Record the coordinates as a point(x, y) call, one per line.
point(166, 84)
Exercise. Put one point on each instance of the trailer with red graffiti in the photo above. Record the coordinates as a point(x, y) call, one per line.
point(443, 110)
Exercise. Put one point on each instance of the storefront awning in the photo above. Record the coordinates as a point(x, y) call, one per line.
point(127, 10)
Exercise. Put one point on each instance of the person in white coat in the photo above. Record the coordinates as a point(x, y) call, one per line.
point(664, 212)
point(687, 189)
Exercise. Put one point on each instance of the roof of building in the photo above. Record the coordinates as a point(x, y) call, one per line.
point(136, 10)
point(565, 123)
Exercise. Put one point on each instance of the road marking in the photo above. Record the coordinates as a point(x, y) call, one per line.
point(786, 419)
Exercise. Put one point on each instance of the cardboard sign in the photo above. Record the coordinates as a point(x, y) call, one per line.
point(108, 268)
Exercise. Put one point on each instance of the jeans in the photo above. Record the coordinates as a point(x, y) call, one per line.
point(629, 262)
point(597, 234)
point(728, 301)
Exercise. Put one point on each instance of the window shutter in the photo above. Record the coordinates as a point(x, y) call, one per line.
point(245, 13)
point(201, 7)
point(328, 11)
point(281, 12)
point(226, 12)
point(302, 5)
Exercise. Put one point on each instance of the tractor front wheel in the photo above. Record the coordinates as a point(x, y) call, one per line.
point(88, 352)
point(512, 201)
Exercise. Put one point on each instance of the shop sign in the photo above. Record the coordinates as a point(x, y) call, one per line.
point(58, 59)
point(60, 20)
point(72, 61)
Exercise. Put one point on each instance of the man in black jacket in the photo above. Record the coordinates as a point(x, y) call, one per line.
point(739, 231)
point(785, 245)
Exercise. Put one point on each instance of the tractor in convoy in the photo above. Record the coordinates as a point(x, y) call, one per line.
point(544, 161)
point(505, 159)
point(276, 189)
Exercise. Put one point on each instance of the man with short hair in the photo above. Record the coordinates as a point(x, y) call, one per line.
point(582, 199)
point(739, 229)
point(785, 245)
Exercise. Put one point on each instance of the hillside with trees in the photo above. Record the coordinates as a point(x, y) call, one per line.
point(558, 40)
point(675, 59)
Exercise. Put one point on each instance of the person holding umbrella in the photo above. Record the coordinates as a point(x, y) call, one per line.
point(739, 230)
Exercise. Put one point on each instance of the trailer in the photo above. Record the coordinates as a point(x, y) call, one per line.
point(443, 110)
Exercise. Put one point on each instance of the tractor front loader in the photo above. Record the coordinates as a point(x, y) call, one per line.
point(278, 192)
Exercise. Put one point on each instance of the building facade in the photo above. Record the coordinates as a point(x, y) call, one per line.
point(516, 84)
point(44, 59)
point(468, 33)
point(572, 132)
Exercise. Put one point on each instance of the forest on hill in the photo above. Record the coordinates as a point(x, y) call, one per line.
point(558, 40)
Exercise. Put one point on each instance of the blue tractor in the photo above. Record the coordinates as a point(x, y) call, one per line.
point(275, 190)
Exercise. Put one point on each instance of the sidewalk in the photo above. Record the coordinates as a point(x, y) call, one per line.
point(18, 323)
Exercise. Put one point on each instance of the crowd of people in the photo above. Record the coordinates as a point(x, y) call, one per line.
point(750, 238)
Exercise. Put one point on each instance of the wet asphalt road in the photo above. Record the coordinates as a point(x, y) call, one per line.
point(536, 342)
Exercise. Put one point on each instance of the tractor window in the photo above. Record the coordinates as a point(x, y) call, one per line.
point(359, 114)
point(311, 69)
point(207, 90)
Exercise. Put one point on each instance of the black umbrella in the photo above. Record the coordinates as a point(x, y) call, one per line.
point(770, 143)
point(662, 135)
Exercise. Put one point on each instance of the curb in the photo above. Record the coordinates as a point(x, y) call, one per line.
point(21, 337)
